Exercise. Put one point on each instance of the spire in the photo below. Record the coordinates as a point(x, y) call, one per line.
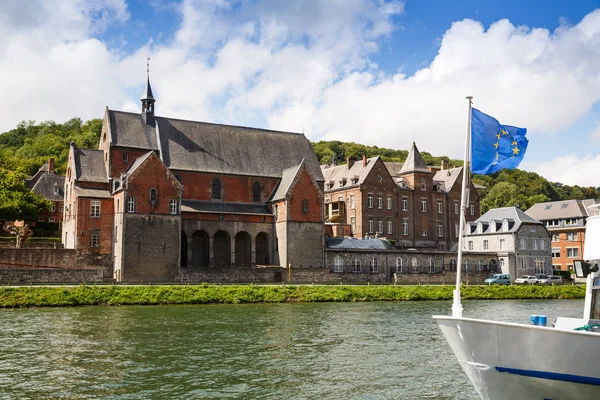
point(147, 98)
point(414, 162)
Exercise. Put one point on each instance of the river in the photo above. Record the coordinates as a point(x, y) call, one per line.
point(388, 350)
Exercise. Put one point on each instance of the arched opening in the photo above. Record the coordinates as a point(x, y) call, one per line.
point(200, 249)
point(222, 250)
point(183, 263)
point(262, 249)
point(453, 265)
point(480, 265)
point(373, 264)
point(431, 266)
point(243, 250)
point(338, 264)
point(356, 267)
point(216, 189)
point(399, 265)
point(493, 265)
point(256, 191)
point(414, 265)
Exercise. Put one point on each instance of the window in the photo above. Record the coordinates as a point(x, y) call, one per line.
point(480, 265)
point(404, 203)
point(423, 205)
point(414, 265)
point(389, 202)
point(452, 265)
point(470, 245)
point(571, 236)
point(256, 191)
point(540, 265)
point(61, 207)
point(571, 221)
point(572, 252)
point(523, 262)
point(338, 264)
point(522, 244)
point(431, 266)
point(380, 226)
point(55, 189)
point(153, 197)
point(131, 204)
point(389, 224)
point(502, 241)
point(352, 201)
point(456, 230)
point(305, 206)
point(555, 253)
point(552, 222)
point(51, 219)
point(532, 229)
point(373, 267)
point(125, 157)
point(95, 239)
point(472, 209)
point(486, 245)
point(440, 230)
point(424, 233)
point(370, 201)
point(95, 209)
point(456, 208)
point(356, 265)
point(555, 237)
point(502, 264)
point(173, 209)
point(399, 265)
point(423, 185)
point(216, 189)
point(118, 205)
point(353, 224)
point(380, 202)
point(439, 206)
point(536, 244)
point(405, 226)
point(371, 225)
point(53, 208)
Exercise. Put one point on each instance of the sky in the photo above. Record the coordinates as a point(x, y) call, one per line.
point(376, 72)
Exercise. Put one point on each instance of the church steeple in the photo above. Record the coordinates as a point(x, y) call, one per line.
point(148, 99)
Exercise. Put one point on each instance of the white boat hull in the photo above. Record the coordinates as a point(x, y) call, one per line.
point(516, 361)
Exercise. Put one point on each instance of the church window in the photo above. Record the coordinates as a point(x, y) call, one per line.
point(216, 189)
point(305, 206)
point(153, 197)
point(95, 239)
point(256, 191)
point(125, 157)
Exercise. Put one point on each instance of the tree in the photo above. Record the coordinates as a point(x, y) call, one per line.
point(504, 194)
point(16, 200)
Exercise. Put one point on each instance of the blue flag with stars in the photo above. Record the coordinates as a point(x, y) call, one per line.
point(494, 146)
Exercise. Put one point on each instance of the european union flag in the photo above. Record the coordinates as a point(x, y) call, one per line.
point(494, 146)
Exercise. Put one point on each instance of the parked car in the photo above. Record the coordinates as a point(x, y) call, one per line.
point(527, 279)
point(541, 276)
point(498, 279)
point(551, 279)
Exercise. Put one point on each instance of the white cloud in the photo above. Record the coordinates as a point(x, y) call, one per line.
point(298, 65)
point(570, 169)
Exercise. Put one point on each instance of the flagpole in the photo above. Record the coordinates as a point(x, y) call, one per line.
point(457, 308)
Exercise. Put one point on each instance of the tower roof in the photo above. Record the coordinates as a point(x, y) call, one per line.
point(414, 162)
point(148, 92)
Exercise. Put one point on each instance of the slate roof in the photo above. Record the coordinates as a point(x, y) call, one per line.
point(353, 243)
point(393, 167)
point(89, 166)
point(201, 206)
point(448, 177)
point(287, 177)
point(97, 193)
point(226, 149)
point(414, 162)
point(136, 164)
point(512, 214)
point(45, 187)
point(341, 173)
point(560, 209)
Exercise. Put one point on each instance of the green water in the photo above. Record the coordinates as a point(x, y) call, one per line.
point(255, 351)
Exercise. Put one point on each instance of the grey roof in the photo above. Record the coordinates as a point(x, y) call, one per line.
point(448, 177)
point(200, 146)
point(560, 209)
point(201, 206)
point(89, 166)
point(393, 167)
point(96, 193)
point(341, 173)
point(138, 161)
point(148, 92)
point(287, 177)
point(353, 243)
point(45, 187)
point(414, 162)
point(130, 130)
point(515, 216)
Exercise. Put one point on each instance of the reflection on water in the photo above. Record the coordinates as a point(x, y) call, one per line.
point(259, 351)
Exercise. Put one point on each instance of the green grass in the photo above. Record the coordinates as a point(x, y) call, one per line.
point(41, 296)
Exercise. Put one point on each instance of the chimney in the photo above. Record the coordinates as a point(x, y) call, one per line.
point(334, 159)
point(51, 165)
point(444, 165)
point(364, 160)
point(349, 162)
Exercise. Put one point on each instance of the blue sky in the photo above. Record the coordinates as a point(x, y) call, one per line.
point(379, 72)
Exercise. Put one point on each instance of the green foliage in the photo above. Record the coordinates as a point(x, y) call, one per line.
point(209, 294)
point(16, 200)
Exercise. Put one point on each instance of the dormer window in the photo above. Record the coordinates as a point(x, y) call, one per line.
point(55, 189)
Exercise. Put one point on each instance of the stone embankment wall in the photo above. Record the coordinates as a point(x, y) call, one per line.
point(49, 275)
point(32, 245)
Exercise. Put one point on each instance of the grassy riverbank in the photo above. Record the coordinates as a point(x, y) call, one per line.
point(207, 294)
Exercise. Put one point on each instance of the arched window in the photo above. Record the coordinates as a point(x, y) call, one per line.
point(501, 264)
point(480, 265)
point(414, 265)
point(256, 191)
point(216, 189)
point(95, 239)
point(493, 265)
point(153, 197)
point(399, 266)
point(373, 265)
point(453, 265)
point(431, 265)
point(356, 265)
point(467, 265)
point(338, 264)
